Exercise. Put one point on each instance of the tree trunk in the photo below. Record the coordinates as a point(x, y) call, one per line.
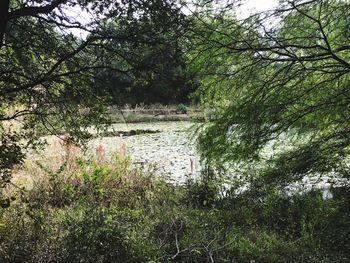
point(4, 10)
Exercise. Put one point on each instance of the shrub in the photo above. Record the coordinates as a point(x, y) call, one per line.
point(181, 108)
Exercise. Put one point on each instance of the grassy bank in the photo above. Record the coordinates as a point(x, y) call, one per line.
point(102, 211)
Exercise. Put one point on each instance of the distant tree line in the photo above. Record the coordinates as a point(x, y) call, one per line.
point(153, 71)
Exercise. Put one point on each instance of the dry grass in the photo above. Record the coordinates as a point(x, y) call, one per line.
point(64, 159)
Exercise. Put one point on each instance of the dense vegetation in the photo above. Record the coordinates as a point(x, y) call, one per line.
point(276, 87)
point(95, 211)
point(290, 87)
point(150, 66)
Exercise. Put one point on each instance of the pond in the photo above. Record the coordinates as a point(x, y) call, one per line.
point(166, 148)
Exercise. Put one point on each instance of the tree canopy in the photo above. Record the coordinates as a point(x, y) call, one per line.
point(280, 88)
point(154, 70)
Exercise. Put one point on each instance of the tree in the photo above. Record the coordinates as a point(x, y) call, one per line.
point(285, 89)
point(47, 73)
point(154, 70)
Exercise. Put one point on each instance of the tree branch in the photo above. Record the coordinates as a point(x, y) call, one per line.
point(34, 10)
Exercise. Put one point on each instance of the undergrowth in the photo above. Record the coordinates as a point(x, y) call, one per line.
point(106, 212)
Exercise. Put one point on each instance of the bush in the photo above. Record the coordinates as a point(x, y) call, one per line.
point(181, 108)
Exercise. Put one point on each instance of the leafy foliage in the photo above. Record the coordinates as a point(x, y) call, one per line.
point(280, 90)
